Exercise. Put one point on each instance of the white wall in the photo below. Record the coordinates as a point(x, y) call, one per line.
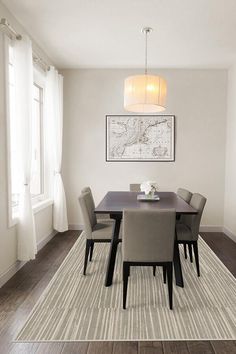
point(43, 219)
point(230, 167)
point(196, 97)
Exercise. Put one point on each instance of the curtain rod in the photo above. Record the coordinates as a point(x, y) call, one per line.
point(6, 27)
point(40, 62)
point(10, 31)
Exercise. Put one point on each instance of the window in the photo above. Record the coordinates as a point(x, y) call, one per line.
point(13, 124)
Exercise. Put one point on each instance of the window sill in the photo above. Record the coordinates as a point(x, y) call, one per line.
point(36, 208)
point(42, 205)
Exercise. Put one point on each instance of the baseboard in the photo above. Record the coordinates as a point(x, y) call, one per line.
point(229, 233)
point(76, 227)
point(8, 274)
point(211, 228)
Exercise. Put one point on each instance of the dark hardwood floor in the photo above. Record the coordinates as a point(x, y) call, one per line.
point(21, 292)
point(224, 248)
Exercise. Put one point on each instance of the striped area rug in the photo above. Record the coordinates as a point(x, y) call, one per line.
point(75, 307)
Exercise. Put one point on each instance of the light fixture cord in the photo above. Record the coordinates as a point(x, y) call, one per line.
point(146, 33)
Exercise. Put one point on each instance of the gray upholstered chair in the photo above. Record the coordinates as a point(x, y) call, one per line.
point(95, 231)
point(148, 240)
point(134, 187)
point(100, 217)
point(186, 196)
point(188, 229)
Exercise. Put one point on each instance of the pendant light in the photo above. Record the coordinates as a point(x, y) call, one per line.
point(145, 93)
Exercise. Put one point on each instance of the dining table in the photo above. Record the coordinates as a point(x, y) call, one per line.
point(114, 203)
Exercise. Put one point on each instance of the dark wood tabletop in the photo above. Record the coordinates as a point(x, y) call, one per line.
point(116, 202)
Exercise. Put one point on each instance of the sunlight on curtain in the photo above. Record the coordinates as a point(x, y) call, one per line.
point(24, 98)
point(54, 115)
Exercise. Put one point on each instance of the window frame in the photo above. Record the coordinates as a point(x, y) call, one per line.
point(46, 198)
point(12, 220)
point(40, 83)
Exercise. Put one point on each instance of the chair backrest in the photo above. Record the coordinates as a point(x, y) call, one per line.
point(148, 235)
point(98, 216)
point(88, 190)
point(134, 187)
point(89, 217)
point(184, 194)
point(193, 221)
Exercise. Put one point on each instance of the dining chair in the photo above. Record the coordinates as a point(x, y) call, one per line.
point(186, 196)
point(148, 240)
point(134, 187)
point(100, 217)
point(95, 231)
point(188, 229)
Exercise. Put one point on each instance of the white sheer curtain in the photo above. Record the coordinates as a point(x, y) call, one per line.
point(54, 104)
point(24, 100)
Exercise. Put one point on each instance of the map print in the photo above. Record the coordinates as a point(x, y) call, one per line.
point(140, 138)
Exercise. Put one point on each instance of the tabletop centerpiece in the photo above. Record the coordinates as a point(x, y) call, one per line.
point(149, 188)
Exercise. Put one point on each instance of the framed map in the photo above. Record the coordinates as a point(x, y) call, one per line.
point(140, 138)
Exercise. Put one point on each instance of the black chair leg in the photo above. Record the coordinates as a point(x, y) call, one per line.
point(164, 274)
point(91, 251)
point(190, 252)
point(169, 268)
point(154, 271)
point(185, 251)
point(87, 249)
point(195, 250)
point(125, 282)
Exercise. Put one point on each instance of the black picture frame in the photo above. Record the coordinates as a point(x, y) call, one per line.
point(172, 157)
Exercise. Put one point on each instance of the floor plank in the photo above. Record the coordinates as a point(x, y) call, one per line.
point(50, 348)
point(75, 348)
point(177, 347)
point(24, 348)
point(224, 347)
point(125, 347)
point(150, 347)
point(100, 348)
point(196, 347)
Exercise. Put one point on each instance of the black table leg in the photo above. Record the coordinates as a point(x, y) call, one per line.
point(177, 266)
point(113, 250)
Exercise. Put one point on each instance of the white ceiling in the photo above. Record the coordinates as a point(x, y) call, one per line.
point(106, 33)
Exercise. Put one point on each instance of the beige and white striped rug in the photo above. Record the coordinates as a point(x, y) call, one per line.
point(76, 307)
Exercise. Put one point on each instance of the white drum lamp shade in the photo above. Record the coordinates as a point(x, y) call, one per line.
point(145, 93)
